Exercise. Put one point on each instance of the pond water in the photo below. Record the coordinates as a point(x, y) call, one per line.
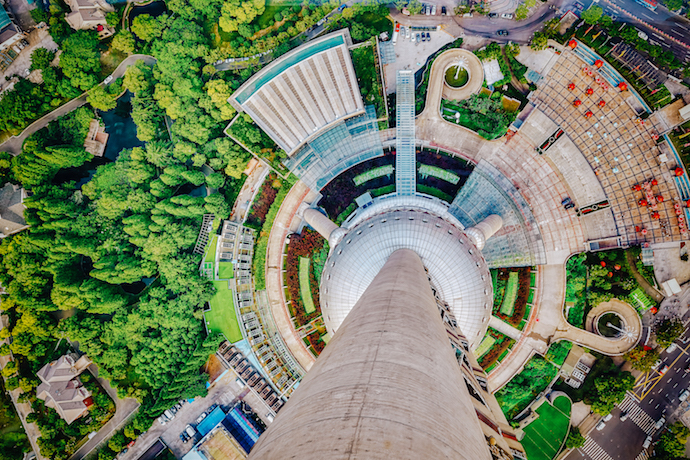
point(119, 124)
point(614, 320)
point(154, 9)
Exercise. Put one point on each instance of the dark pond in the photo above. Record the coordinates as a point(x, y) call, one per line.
point(119, 124)
point(154, 9)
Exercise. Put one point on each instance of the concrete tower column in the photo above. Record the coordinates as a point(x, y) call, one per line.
point(324, 226)
point(484, 230)
point(387, 386)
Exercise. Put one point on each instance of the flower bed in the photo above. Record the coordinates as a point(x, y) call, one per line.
point(262, 202)
point(301, 247)
point(498, 345)
point(520, 312)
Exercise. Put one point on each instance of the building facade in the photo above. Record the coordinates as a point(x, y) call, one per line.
point(61, 388)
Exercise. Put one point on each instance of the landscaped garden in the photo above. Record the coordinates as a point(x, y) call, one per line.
point(485, 115)
point(493, 349)
point(366, 65)
point(262, 201)
point(421, 77)
point(222, 317)
point(513, 294)
point(440, 174)
point(680, 136)
point(544, 436)
point(13, 439)
point(597, 277)
point(521, 390)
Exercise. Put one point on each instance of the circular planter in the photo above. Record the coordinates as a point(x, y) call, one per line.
point(456, 83)
point(606, 331)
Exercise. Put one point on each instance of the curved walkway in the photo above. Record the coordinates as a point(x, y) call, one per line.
point(274, 273)
point(446, 59)
point(14, 144)
point(623, 309)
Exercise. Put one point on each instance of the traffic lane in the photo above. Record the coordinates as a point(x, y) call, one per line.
point(485, 27)
point(620, 439)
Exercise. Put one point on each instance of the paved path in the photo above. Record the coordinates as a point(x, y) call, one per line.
point(14, 144)
point(504, 328)
point(274, 273)
point(250, 188)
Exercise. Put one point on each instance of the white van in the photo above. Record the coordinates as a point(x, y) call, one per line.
point(660, 423)
point(647, 442)
point(671, 348)
point(684, 395)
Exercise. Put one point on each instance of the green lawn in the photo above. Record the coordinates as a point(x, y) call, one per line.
point(372, 174)
point(485, 346)
point(304, 287)
point(222, 317)
point(225, 270)
point(435, 171)
point(210, 255)
point(511, 294)
point(544, 437)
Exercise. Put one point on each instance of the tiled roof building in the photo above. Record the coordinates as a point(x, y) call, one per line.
point(61, 388)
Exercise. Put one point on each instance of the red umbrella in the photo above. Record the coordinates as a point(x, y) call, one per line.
point(642, 202)
point(654, 182)
point(687, 204)
point(598, 63)
point(637, 228)
point(623, 86)
point(571, 86)
point(603, 264)
point(678, 171)
point(588, 114)
point(602, 103)
point(655, 215)
point(660, 198)
point(577, 103)
point(655, 136)
point(637, 187)
point(589, 91)
point(572, 44)
point(617, 267)
point(610, 274)
point(654, 310)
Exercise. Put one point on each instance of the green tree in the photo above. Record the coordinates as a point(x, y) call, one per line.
point(414, 7)
point(138, 77)
point(642, 359)
point(80, 59)
point(148, 28)
point(575, 439)
point(592, 15)
point(673, 5)
point(41, 58)
point(609, 390)
point(668, 330)
point(112, 18)
point(124, 41)
point(521, 12)
point(539, 41)
point(530, 3)
point(100, 99)
point(235, 13)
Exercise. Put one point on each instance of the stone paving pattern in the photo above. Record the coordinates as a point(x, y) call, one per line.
point(619, 149)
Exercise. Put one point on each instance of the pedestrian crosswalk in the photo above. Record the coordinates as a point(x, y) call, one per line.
point(637, 415)
point(594, 450)
point(643, 455)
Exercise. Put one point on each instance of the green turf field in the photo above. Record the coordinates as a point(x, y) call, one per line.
point(304, 288)
point(485, 346)
point(510, 295)
point(544, 436)
point(372, 174)
point(210, 255)
point(435, 171)
point(225, 270)
point(222, 317)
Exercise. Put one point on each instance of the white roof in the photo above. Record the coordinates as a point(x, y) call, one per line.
point(456, 267)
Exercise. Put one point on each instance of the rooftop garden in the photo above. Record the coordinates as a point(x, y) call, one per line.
point(262, 201)
point(13, 440)
point(422, 75)
point(493, 349)
point(680, 136)
point(484, 114)
point(521, 390)
point(367, 67)
point(597, 277)
point(514, 290)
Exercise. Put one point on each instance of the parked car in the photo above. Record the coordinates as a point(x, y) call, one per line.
point(566, 200)
point(428, 10)
point(169, 415)
point(417, 39)
point(428, 36)
point(660, 422)
point(162, 420)
point(201, 417)
point(684, 395)
point(342, 7)
point(647, 442)
point(108, 79)
point(671, 348)
point(601, 426)
point(190, 431)
point(433, 10)
point(624, 416)
point(408, 32)
point(423, 37)
point(663, 370)
point(502, 32)
point(184, 437)
point(443, 11)
point(493, 15)
point(507, 15)
point(569, 205)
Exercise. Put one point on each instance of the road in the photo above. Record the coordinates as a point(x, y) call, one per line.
point(669, 23)
point(14, 144)
point(658, 396)
point(518, 31)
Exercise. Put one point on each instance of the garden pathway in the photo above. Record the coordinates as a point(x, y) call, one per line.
point(505, 328)
point(274, 272)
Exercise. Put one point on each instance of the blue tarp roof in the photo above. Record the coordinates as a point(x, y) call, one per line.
point(242, 429)
point(4, 18)
point(211, 420)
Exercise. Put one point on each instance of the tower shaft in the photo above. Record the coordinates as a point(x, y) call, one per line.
point(387, 386)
